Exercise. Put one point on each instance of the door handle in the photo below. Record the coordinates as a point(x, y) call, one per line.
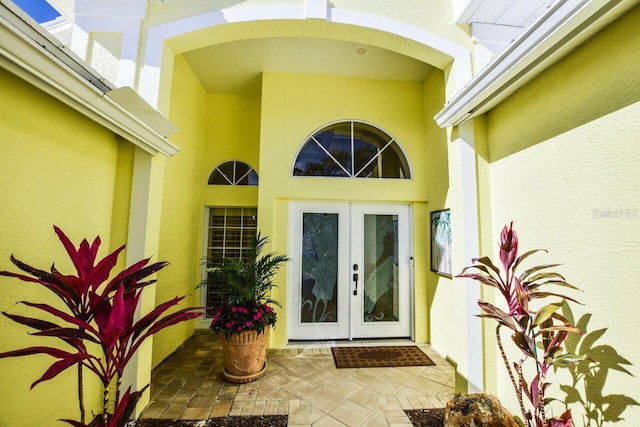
point(355, 279)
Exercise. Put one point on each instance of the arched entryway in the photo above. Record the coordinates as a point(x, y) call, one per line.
point(350, 275)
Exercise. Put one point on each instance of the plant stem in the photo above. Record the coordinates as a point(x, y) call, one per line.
point(105, 406)
point(118, 385)
point(513, 379)
point(81, 393)
point(522, 384)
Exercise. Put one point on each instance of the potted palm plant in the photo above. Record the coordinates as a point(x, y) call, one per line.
point(246, 314)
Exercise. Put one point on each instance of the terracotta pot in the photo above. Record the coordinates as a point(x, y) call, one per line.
point(244, 356)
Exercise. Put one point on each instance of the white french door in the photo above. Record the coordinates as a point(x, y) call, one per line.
point(350, 271)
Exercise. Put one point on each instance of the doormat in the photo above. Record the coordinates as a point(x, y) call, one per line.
point(379, 357)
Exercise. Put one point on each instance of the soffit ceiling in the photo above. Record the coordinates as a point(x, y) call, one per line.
point(510, 13)
point(236, 67)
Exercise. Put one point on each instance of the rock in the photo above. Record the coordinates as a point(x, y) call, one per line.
point(477, 410)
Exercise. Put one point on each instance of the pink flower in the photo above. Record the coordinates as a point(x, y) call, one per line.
point(242, 310)
point(239, 328)
point(258, 316)
point(248, 324)
point(234, 309)
point(230, 324)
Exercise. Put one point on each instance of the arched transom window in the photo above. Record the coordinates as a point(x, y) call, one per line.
point(351, 149)
point(233, 172)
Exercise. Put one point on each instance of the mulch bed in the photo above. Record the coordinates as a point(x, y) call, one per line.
point(379, 357)
point(237, 421)
point(426, 417)
point(418, 418)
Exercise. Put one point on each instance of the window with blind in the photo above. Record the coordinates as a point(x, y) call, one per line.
point(230, 232)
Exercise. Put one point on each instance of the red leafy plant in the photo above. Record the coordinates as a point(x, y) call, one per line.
point(538, 333)
point(101, 311)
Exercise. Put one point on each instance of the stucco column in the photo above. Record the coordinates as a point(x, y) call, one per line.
point(471, 248)
point(142, 242)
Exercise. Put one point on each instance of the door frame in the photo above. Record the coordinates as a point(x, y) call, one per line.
point(342, 328)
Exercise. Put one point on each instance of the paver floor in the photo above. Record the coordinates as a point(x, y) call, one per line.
point(301, 382)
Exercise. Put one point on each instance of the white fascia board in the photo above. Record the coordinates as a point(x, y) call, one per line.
point(117, 8)
point(523, 59)
point(40, 60)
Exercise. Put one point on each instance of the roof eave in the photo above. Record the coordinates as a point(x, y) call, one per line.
point(542, 44)
point(29, 52)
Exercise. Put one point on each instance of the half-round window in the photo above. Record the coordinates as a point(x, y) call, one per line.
point(351, 149)
point(233, 173)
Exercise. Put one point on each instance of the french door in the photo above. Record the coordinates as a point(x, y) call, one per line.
point(350, 271)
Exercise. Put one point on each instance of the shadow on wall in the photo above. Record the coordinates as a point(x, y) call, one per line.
point(438, 178)
point(566, 97)
point(590, 375)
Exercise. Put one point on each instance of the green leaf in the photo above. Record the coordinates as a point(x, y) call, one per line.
point(545, 313)
point(568, 359)
point(541, 295)
point(525, 256)
point(481, 268)
point(565, 328)
point(524, 276)
point(487, 261)
point(482, 278)
point(524, 343)
point(493, 312)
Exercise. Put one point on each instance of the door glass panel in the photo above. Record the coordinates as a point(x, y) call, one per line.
point(380, 268)
point(319, 302)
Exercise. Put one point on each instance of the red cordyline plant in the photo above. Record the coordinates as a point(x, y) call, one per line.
point(538, 333)
point(100, 311)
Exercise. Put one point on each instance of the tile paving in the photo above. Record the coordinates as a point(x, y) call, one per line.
point(301, 382)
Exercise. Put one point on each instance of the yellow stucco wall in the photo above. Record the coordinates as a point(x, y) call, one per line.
point(232, 133)
point(122, 195)
point(180, 220)
point(293, 106)
point(447, 306)
point(57, 167)
point(564, 159)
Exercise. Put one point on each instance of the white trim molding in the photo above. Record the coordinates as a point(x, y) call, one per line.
point(29, 52)
point(539, 46)
point(455, 54)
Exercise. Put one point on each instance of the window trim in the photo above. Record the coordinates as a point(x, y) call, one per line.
point(206, 224)
point(351, 174)
point(234, 181)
